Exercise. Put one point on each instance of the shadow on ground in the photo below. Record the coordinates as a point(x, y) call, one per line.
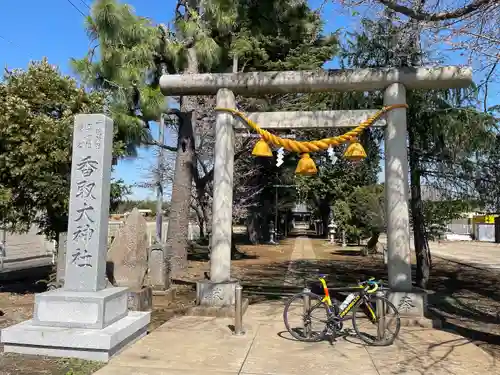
point(200, 251)
point(25, 282)
point(465, 299)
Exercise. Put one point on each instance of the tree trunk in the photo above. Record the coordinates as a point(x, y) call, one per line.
point(202, 227)
point(325, 218)
point(177, 238)
point(422, 252)
point(202, 210)
point(253, 227)
point(201, 221)
point(371, 245)
point(206, 219)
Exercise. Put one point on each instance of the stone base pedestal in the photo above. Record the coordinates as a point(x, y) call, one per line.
point(89, 310)
point(412, 307)
point(169, 293)
point(89, 344)
point(86, 325)
point(215, 299)
point(217, 311)
point(140, 299)
point(215, 294)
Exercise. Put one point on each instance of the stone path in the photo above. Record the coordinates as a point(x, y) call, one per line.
point(302, 251)
point(205, 346)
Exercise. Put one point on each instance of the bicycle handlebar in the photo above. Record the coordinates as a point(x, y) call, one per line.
point(370, 286)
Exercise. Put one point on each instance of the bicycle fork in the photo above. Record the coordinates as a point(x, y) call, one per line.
point(376, 315)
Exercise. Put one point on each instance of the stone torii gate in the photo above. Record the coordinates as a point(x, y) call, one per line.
point(219, 290)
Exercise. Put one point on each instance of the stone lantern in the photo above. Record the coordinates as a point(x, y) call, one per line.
point(332, 228)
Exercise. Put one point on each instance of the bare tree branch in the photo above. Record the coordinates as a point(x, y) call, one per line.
point(440, 16)
point(158, 144)
point(486, 85)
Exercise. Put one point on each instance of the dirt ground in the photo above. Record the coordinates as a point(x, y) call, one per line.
point(467, 300)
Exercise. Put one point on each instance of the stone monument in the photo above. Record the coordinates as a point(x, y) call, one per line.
point(128, 261)
point(84, 319)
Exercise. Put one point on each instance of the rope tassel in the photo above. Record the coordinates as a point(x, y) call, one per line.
point(262, 149)
point(355, 151)
point(306, 166)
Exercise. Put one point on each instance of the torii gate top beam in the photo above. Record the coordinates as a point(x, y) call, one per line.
point(316, 81)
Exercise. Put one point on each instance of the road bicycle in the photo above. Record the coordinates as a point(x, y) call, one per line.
point(362, 302)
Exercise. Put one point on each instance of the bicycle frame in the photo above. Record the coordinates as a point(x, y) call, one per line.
point(358, 299)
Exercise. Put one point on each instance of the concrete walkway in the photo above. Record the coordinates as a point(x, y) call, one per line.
point(479, 255)
point(205, 346)
point(483, 255)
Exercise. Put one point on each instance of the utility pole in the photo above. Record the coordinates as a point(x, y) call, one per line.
point(159, 182)
point(276, 213)
point(3, 246)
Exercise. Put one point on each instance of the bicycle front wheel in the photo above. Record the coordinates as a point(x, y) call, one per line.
point(376, 321)
point(306, 317)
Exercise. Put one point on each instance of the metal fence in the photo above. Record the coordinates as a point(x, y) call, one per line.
point(459, 228)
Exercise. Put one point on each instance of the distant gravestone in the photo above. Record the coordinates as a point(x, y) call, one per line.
point(128, 253)
point(62, 244)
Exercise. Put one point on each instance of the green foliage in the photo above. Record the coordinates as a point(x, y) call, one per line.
point(134, 53)
point(337, 184)
point(128, 47)
point(37, 109)
point(342, 214)
point(438, 214)
point(276, 35)
point(118, 191)
point(73, 366)
point(367, 208)
point(361, 212)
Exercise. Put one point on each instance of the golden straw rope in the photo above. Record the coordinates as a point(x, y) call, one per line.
point(311, 146)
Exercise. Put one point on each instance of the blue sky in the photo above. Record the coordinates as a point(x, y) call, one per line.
point(33, 29)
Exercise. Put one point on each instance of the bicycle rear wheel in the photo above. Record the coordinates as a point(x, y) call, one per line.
point(306, 323)
point(381, 331)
